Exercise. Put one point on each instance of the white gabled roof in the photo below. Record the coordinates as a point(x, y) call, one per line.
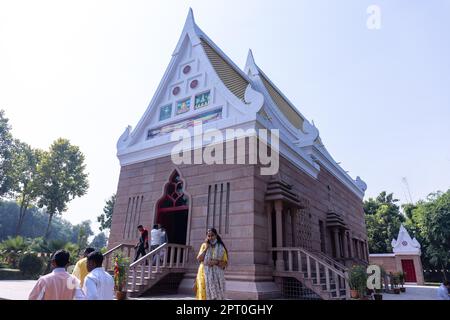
point(307, 135)
point(404, 244)
point(245, 97)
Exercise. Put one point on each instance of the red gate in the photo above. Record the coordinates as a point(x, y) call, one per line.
point(408, 268)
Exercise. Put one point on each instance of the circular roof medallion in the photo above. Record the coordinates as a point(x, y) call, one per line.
point(176, 91)
point(194, 84)
point(404, 243)
point(187, 69)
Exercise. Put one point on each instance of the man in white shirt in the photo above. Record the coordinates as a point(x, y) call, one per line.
point(155, 236)
point(442, 292)
point(98, 284)
point(164, 238)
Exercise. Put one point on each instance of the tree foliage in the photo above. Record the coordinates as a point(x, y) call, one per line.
point(62, 178)
point(106, 217)
point(6, 148)
point(431, 219)
point(34, 224)
point(427, 220)
point(25, 178)
point(100, 241)
point(383, 220)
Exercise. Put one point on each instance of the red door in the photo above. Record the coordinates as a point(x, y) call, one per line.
point(408, 268)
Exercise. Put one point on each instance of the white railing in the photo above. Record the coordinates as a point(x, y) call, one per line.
point(313, 268)
point(166, 256)
point(126, 250)
point(331, 262)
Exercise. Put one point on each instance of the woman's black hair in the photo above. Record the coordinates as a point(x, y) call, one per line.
point(219, 239)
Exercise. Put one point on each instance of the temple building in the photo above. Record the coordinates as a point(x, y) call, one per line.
point(288, 234)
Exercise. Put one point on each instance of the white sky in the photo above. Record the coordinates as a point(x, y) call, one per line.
point(84, 70)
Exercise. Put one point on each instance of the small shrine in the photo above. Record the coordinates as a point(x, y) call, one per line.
point(405, 257)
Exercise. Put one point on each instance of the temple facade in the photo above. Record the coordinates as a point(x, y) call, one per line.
point(309, 213)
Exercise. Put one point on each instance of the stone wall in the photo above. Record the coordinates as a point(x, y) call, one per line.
point(249, 274)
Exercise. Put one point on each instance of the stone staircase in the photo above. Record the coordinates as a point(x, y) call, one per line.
point(322, 275)
point(146, 272)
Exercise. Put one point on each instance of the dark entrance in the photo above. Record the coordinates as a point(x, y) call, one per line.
point(172, 210)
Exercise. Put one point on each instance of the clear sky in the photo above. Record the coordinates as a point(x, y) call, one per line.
point(84, 70)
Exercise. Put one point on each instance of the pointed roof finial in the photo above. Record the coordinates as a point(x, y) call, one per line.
point(250, 58)
point(250, 64)
point(190, 29)
point(190, 21)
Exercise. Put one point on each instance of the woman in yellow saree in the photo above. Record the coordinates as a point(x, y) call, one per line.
point(213, 258)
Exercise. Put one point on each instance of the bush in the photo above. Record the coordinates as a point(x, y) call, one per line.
point(13, 274)
point(74, 251)
point(121, 266)
point(12, 248)
point(31, 265)
point(358, 279)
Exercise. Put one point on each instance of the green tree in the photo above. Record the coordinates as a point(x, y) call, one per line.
point(62, 178)
point(106, 217)
point(6, 147)
point(81, 234)
point(383, 220)
point(35, 221)
point(433, 220)
point(24, 174)
point(100, 241)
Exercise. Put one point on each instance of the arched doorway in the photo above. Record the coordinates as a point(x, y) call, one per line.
point(172, 210)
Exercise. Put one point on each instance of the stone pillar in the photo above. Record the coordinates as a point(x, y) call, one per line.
point(269, 208)
point(279, 224)
point(293, 227)
point(345, 244)
point(352, 255)
point(361, 248)
point(336, 243)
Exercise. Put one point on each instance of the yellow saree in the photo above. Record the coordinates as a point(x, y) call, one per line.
point(201, 282)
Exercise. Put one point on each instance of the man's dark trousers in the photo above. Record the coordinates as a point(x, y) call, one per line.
point(140, 251)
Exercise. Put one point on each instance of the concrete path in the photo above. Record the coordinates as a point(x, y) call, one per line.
point(16, 289)
point(414, 293)
point(20, 289)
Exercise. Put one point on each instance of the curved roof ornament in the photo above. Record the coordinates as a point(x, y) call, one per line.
point(361, 184)
point(312, 133)
point(254, 100)
point(124, 139)
point(308, 134)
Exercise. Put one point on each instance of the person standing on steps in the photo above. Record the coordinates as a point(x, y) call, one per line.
point(155, 237)
point(143, 243)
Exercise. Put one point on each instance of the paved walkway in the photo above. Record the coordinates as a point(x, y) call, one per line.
point(19, 290)
point(16, 289)
point(413, 293)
